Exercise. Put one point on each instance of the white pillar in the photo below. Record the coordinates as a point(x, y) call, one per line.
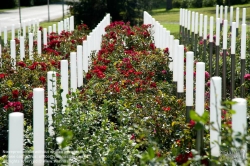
point(64, 82)
point(38, 126)
point(79, 66)
point(200, 88)
point(45, 36)
point(13, 52)
point(39, 43)
point(85, 56)
point(31, 46)
point(15, 141)
point(73, 79)
point(189, 78)
point(22, 49)
point(180, 83)
point(5, 36)
point(51, 83)
point(215, 115)
point(239, 125)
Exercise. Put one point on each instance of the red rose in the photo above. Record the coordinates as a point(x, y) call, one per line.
point(30, 96)
point(15, 93)
point(191, 123)
point(4, 99)
point(2, 75)
point(42, 79)
point(21, 63)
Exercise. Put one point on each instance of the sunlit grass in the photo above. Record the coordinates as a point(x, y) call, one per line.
point(170, 19)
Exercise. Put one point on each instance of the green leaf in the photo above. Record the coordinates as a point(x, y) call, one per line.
point(194, 116)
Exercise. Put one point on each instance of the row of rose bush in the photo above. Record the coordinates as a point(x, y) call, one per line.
point(17, 83)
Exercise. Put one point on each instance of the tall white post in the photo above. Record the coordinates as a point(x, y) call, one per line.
point(13, 52)
point(5, 36)
point(85, 58)
point(244, 16)
point(22, 49)
point(211, 35)
point(239, 125)
point(189, 78)
point(201, 23)
point(215, 115)
point(225, 35)
point(218, 32)
point(79, 66)
point(196, 23)
point(237, 17)
point(64, 82)
point(200, 88)
point(243, 41)
point(54, 28)
point(73, 74)
point(180, 83)
point(231, 15)
point(51, 83)
point(175, 61)
point(31, 46)
point(72, 23)
point(39, 43)
point(221, 14)
point(59, 28)
point(50, 30)
point(226, 8)
point(205, 28)
point(192, 24)
point(38, 126)
point(217, 12)
point(233, 41)
point(15, 148)
point(45, 36)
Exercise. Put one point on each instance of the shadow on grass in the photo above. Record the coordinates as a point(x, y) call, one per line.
point(164, 11)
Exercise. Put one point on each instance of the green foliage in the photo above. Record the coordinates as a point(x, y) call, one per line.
point(8, 4)
point(33, 2)
point(181, 4)
point(91, 12)
point(208, 3)
point(88, 12)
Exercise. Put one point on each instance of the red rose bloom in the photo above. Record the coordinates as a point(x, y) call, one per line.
point(15, 93)
point(4, 99)
point(21, 63)
point(2, 75)
point(42, 79)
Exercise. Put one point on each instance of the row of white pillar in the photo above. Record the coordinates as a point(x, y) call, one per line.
point(177, 54)
point(78, 64)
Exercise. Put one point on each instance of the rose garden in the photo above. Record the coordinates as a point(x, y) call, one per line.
point(127, 95)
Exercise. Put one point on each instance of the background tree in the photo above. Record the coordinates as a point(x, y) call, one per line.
point(8, 4)
point(91, 12)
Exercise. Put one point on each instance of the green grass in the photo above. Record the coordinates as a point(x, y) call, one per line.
point(170, 19)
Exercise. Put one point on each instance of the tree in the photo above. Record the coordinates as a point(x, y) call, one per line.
point(91, 12)
point(8, 4)
point(169, 4)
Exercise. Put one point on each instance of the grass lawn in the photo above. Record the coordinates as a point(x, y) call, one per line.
point(170, 19)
